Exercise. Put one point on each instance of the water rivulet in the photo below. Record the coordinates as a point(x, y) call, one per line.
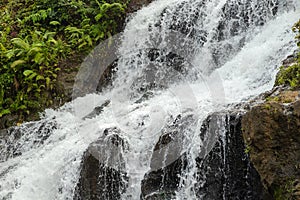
point(152, 134)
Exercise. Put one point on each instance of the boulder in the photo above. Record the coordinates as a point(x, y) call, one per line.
point(226, 171)
point(167, 162)
point(102, 174)
point(272, 133)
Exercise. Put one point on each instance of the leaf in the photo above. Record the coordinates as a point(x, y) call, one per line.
point(52, 40)
point(32, 76)
point(4, 112)
point(54, 75)
point(19, 52)
point(82, 45)
point(89, 40)
point(10, 53)
point(39, 77)
point(98, 17)
point(54, 23)
point(17, 62)
point(73, 29)
point(29, 89)
point(100, 36)
point(33, 50)
point(86, 21)
point(22, 107)
point(49, 35)
point(2, 47)
point(38, 58)
point(27, 72)
point(48, 80)
point(20, 43)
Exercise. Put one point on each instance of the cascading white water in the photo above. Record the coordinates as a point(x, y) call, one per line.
point(231, 51)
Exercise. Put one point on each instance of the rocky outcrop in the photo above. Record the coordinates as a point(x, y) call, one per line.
point(167, 162)
point(272, 133)
point(103, 173)
point(97, 110)
point(17, 140)
point(223, 167)
point(226, 172)
point(271, 130)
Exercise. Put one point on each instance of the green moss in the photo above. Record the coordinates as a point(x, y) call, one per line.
point(274, 98)
point(267, 106)
point(247, 149)
point(285, 192)
point(290, 76)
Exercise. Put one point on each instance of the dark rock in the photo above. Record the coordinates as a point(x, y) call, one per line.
point(291, 59)
point(7, 121)
point(107, 77)
point(223, 168)
point(167, 162)
point(163, 183)
point(226, 172)
point(135, 5)
point(18, 139)
point(102, 174)
point(97, 110)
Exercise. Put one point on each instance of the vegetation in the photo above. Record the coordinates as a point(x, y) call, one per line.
point(290, 76)
point(247, 148)
point(285, 191)
point(36, 36)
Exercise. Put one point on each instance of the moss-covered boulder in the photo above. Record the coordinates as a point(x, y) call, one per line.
point(272, 133)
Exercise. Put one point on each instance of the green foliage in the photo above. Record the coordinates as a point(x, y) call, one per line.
point(247, 149)
point(285, 191)
point(275, 98)
point(290, 76)
point(32, 65)
point(36, 36)
point(296, 29)
point(97, 24)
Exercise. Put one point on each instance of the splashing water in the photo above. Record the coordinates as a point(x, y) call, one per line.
point(177, 57)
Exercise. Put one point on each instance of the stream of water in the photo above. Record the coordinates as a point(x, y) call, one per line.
point(177, 57)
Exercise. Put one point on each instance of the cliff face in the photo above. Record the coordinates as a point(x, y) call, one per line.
point(225, 173)
point(271, 131)
point(272, 134)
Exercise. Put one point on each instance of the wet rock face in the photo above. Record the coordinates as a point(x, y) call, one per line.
point(167, 162)
point(135, 5)
point(163, 183)
point(239, 15)
point(97, 110)
point(226, 172)
point(223, 167)
point(33, 134)
point(272, 131)
point(102, 174)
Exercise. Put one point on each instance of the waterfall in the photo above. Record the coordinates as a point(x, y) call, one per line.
point(178, 62)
